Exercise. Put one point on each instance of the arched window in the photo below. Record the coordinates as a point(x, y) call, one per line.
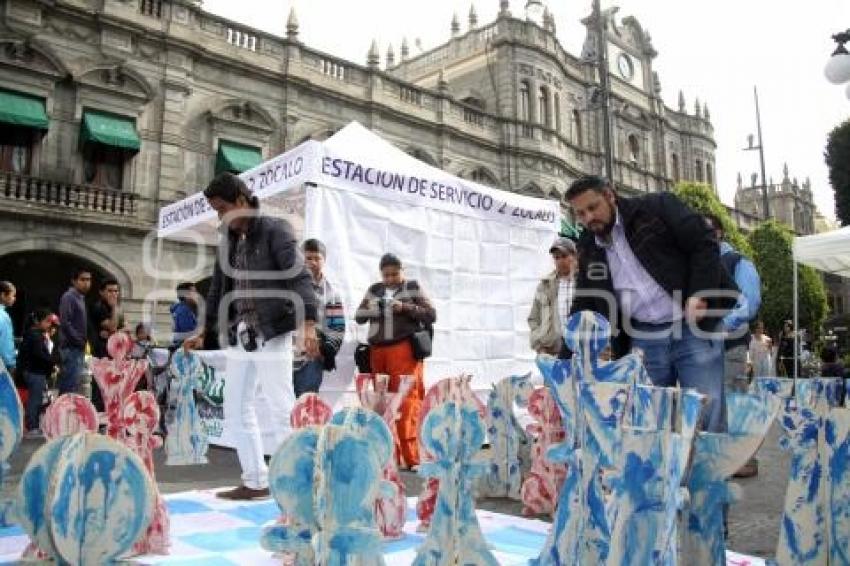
point(709, 174)
point(557, 112)
point(422, 155)
point(698, 171)
point(543, 107)
point(634, 148)
point(524, 101)
point(674, 165)
point(578, 138)
point(485, 177)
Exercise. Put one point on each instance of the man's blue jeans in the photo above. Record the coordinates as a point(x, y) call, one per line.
point(673, 354)
point(73, 360)
point(308, 378)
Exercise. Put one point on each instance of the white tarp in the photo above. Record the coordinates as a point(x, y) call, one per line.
point(828, 252)
point(478, 252)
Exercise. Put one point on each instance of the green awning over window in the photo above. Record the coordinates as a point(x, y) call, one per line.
point(109, 129)
point(236, 158)
point(22, 110)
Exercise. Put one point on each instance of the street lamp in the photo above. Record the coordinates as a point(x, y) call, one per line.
point(760, 148)
point(837, 69)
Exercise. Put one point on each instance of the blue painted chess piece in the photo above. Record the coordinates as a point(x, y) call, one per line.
point(326, 480)
point(76, 489)
point(504, 477)
point(453, 433)
point(186, 443)
point(11, 433)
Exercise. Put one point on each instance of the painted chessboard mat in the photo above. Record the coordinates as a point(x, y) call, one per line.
point(211, 532)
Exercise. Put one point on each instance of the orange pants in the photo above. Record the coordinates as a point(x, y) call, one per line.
point(396, 360)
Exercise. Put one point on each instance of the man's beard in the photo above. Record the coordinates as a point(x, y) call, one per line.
point(601, 228)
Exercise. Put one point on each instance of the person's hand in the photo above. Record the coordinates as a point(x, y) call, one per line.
point(311, 340)
point(695, 308)
point(397, 306)
point(195, 342)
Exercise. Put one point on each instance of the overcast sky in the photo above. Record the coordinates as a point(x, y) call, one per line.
point(716, 50)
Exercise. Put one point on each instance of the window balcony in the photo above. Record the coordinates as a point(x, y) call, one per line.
point(63, 197)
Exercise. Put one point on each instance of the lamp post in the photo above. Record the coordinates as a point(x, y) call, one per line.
point(604, 88)
point(837, 69)
point(760, 148)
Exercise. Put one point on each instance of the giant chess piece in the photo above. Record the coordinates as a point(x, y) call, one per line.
point(504, 478)
point(11, 432)
point(716, 457)
point(374, 394)
point(326, 480)
point(815, 524)
point(85, 499)
point(67, 415)
point(453, 433)
point(309, 409)
point(541, 487)
point(455, 389)
point(117, 378)
point(186, 443)
point(140, 417)
point(291, 475)
point(581, 529)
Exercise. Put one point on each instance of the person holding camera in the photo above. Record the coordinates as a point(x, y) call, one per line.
point(399, 316)
point(260, 293)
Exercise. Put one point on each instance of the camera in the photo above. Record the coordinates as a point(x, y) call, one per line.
point(248, 339)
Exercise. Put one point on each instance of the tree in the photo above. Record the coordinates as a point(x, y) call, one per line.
point(838, 161)
point(702, 198)
point(771, 244)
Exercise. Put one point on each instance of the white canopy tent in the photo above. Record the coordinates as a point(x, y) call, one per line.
point(828, 252)
point(477, 251)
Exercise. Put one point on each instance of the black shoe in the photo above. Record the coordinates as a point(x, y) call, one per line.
point(243, 493)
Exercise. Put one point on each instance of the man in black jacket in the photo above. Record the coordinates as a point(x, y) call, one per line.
point(651, 266)
point(260, 292)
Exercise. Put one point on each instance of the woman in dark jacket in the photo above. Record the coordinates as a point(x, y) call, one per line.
point(37, 362)
point(396, 309)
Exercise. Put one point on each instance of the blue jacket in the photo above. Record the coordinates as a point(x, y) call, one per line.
point(7, 340)
point(184, 319)
point(749, 300)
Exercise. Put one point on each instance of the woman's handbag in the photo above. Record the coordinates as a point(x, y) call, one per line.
point(422, 341)
point(361, 358)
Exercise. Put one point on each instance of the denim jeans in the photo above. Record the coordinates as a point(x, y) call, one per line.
point(673, 354)
point(36, 383)
point(73, 360)
point(308, 378)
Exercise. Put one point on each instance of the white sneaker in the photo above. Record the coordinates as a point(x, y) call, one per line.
point(34, 433)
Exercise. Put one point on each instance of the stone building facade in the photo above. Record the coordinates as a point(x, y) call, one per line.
point(127, 105)
point(790, 202)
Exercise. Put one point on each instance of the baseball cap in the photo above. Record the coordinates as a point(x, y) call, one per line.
point(563, 245)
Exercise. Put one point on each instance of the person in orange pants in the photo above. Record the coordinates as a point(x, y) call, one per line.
point(396, 309)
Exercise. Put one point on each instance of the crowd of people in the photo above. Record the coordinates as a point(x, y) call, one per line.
point(665, 277)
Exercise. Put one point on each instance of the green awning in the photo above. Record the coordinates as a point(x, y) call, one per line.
point(236, 158)
point(22, 110)
point(109, 129)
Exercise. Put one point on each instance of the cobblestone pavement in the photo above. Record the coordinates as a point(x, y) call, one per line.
point(753, 521)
